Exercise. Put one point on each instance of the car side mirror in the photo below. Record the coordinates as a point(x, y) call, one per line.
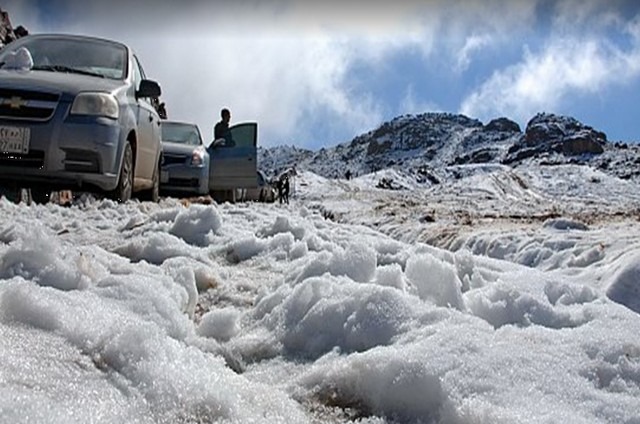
point(148, 88)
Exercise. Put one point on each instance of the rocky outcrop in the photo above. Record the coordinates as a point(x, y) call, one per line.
point(552, 134)
point(582, 143)
point(478, 156)
point(564, 134)
point(374, 148)
point(7, 32)
point(488, 143)
point(502, 125)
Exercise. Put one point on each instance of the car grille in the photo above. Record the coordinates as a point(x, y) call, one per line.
point(77, 160)
point(172, 159)
point(33, 159)
point(24, 104)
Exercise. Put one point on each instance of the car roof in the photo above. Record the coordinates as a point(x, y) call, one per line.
point(191, 124)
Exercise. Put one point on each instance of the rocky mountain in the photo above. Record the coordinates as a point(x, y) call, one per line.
point(432, 146)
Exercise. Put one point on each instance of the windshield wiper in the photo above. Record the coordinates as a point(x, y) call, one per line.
point(62, 68)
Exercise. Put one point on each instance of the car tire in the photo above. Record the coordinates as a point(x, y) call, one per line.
point(40, 196)
point(13, 194)
point(123, 190)
point(153, 194)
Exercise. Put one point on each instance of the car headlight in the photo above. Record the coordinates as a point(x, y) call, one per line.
point(96, 104)
point(197, 157)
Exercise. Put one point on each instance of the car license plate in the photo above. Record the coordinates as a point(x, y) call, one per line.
point(14, 139)
point(164, 176)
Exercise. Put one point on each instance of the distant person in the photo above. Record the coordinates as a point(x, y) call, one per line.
point(285, 189)
point(221, 130)
point(280, 189)
point(347, 174)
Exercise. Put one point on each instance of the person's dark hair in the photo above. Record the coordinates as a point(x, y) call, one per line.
point(225, 112)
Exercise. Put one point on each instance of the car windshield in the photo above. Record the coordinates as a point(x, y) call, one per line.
point(88, 56)
point(181, 133)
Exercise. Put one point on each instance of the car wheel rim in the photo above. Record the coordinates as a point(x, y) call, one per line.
point(156, 185)
point(126, 177)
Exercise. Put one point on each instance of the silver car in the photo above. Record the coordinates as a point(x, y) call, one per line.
point(76, 113)
point(185, 167)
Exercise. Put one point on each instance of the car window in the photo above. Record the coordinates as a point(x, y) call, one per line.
point(181, 134)
point(138, 73)
point(60, 54)
point(244, 135)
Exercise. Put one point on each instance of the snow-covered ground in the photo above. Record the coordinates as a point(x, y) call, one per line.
point(504, 296)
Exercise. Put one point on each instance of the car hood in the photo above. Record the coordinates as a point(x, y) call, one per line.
point(60, 82)
point(178, 149)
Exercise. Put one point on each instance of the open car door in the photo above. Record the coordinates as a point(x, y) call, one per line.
point(234, 165)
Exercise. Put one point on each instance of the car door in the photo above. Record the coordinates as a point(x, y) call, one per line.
point(235, 166)
point(148, 134)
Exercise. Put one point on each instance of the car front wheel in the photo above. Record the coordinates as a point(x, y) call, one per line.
point(153, 194)
point(122, 193)
point(40, 195)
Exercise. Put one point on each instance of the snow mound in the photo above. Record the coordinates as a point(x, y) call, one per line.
point(435, 280)
point(194, 224)
point(625, 285)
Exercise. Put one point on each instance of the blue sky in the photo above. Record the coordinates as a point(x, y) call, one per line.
point(318, 75)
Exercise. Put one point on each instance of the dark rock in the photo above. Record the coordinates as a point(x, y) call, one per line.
point(502, 125)
point(425, 174)
point(478, 156)
point(553, 134)
point(7, 32)
point(20, 31)
point(376, 148)
point(583, 142)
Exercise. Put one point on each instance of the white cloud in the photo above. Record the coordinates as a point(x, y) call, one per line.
point(570, 16)
point(472, 44)
point(564, 69)
point(413, 103)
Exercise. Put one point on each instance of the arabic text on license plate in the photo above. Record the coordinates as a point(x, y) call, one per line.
point(14, 140)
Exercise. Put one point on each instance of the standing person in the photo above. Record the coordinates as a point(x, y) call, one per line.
point(285, 189)
point(221, 130)
point(280, 188)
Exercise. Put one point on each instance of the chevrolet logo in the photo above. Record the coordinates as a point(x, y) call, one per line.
point(15, 102)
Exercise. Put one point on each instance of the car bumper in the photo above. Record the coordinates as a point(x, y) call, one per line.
point(185, 179)
point(65, 152)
